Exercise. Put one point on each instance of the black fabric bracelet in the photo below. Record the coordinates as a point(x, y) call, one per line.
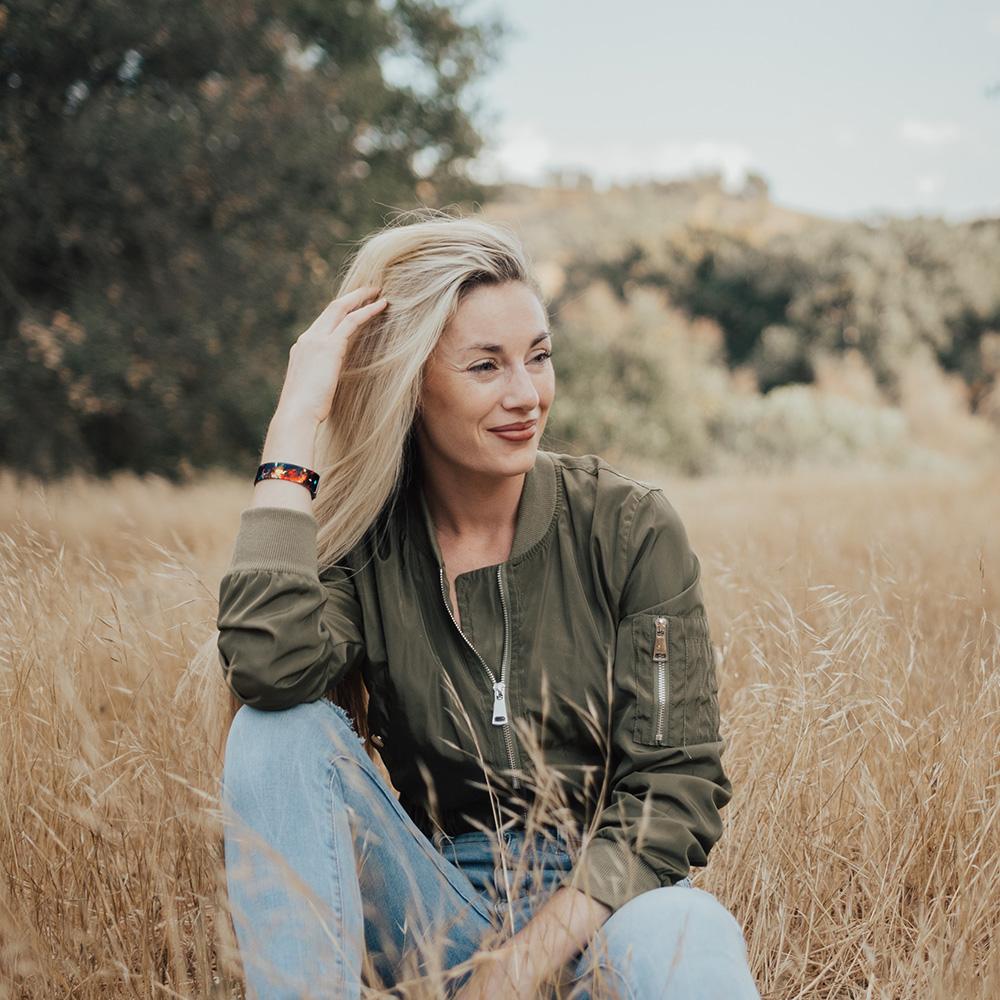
point(291, 473)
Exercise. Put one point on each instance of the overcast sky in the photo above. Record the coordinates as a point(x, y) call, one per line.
point(847, 109)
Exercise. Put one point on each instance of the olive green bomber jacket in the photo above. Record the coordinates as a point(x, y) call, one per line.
point(600, 594)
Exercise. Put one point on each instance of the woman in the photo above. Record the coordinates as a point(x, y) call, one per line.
point(521, 636)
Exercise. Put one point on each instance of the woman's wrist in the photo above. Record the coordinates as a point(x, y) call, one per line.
point(291, 437)
point(293, 420)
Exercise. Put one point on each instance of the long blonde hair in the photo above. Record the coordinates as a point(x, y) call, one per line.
point(426, 262)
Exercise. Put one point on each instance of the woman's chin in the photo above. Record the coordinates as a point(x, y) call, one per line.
point(502, 458)
point(520, 457)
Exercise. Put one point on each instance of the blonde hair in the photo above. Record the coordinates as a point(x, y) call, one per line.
point(425, 268)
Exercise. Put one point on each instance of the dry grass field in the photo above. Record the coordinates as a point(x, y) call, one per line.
point(857, 622)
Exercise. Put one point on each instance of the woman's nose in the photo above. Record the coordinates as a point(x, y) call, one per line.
point(521, 391)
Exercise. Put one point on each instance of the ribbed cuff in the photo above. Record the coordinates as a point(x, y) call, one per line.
point(275, 538)
point(606, 870)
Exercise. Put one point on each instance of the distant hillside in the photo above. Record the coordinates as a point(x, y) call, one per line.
point(730, 330)
point(562, 219)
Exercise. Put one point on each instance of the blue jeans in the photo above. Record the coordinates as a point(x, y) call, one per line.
point(331, 883)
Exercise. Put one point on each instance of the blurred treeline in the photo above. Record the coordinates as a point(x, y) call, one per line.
point(712, 331)
point(180, 184)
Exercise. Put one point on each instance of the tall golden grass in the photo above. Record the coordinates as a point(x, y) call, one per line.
point(856, 617)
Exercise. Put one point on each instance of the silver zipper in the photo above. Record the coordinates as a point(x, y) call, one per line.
point(660, 659)
point(504, 663)
point(499, 686)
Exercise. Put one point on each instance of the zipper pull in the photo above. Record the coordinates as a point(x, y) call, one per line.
point(499, 704)
point(660, 645)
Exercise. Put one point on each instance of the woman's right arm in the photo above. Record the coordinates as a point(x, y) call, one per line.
point(286, 635)
point(314, 363)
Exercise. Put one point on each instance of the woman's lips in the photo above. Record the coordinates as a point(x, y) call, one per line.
point(516, 435)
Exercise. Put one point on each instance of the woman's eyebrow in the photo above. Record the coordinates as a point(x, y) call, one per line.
point(497, 349)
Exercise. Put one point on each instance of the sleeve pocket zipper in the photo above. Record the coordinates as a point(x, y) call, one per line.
point(660, 663)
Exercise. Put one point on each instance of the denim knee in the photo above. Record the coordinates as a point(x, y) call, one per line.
point(681, 917)
point(272, 748)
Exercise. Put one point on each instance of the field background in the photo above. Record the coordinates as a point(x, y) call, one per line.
point(857, 619)
point(180, 188)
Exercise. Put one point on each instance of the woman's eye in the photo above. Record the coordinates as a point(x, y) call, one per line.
point(486, 366)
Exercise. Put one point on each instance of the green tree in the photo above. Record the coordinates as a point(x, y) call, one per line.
point(179, 183)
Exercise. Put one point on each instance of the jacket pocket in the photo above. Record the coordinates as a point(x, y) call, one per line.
point(676, 691)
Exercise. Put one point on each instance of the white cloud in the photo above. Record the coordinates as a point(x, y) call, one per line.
point(929, 184)
point(925, 133)
point(523, 152)
point(669, 159)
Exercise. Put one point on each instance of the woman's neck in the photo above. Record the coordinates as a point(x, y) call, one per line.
point(470, 505)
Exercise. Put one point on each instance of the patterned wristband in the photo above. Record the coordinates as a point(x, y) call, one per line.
point(292, 473)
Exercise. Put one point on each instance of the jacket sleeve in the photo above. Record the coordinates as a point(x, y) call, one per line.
point(286, 634)
point(667, 783)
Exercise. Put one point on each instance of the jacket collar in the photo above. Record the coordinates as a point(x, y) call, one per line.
point(535, 510)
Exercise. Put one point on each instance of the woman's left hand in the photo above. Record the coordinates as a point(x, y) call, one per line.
point(497, 975)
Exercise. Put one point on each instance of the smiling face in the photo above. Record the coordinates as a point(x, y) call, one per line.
point(490, 369)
